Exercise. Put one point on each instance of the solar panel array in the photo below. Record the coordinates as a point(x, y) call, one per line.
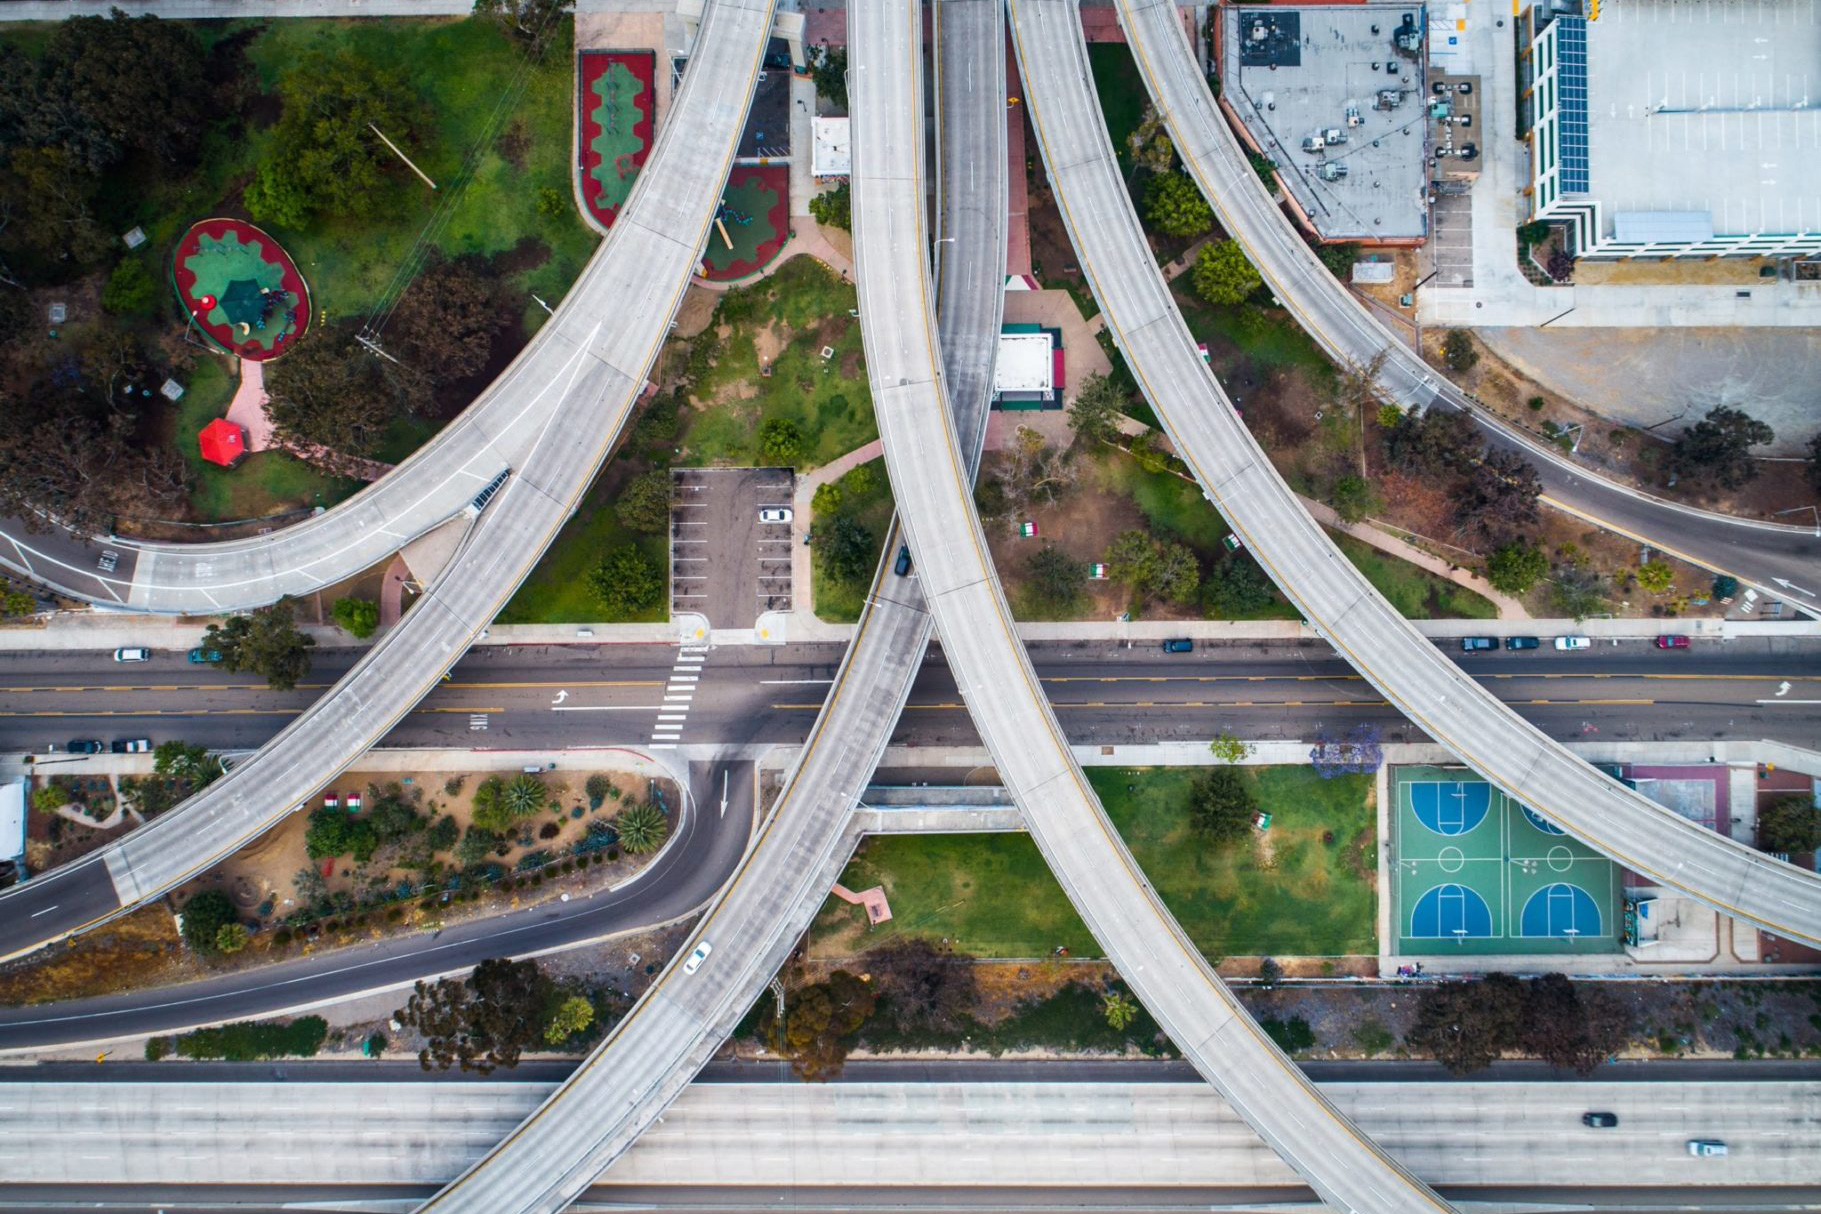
point(1571, 86)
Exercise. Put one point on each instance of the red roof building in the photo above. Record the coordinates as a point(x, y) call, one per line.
point(222, 442)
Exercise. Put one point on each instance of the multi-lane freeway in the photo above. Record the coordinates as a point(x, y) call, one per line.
point(1756, 551)
point(550, 697)
point(1099, 1128)
point(1297, 554)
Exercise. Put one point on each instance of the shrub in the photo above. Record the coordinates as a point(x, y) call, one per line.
point(1292, 1035)
point(357, 617)
point(1458, 351)
point(231, 938)
point(597, 787)
point(156, 1048)
point(550, 202)
point(204, 915)
point(252, 1040)
point(131, 290)
point(827, 498)
point(641, 828)
point(549, 830)
point(1537, 404)
point(780, 441)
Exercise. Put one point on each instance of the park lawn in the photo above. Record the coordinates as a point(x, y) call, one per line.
point(992, 895)
point(805, 307)
point(461, 69)
point(265, 483)
point(1268, 337)
point(557, 593)
point(839, 601)
point(1416, 593)
point(1122, 93)
point(1284, 891)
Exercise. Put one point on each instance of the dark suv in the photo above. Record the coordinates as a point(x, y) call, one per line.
point(1600, 1121)
point(1478, 644)
point(85, 746)
point(1523, 642)
point(1179, 645)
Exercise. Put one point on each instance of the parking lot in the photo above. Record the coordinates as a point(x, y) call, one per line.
point(1451, 239)
point(725, 563)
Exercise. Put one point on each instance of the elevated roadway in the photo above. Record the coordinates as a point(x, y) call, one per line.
point(1431, 691)
point(591, 361)
point(595, 1116)
point(1753, 550)
point(393, 1138)
point(933, 491)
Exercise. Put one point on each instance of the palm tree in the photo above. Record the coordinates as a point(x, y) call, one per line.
point(524, 796)
point(642, 828)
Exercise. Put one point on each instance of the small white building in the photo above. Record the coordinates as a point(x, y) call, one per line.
point(13, 801)
point(1028, 371)
point(830, 154)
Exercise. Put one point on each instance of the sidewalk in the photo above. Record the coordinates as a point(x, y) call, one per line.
point(1365, 532)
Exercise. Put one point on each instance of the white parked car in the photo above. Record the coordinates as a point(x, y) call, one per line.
point(133, 654)
point(775, 514)
point(696, 958)
point(1573, 643)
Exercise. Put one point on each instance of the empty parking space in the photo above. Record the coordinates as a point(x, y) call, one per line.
point(730, 536)
point(1451, 240)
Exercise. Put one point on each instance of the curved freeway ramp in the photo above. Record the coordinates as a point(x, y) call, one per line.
point(1755, 551)
point(1413, 675)
point(990, 665)
point(649, 1059)
point(590, 365)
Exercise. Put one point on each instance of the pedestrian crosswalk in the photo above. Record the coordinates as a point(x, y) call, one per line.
point(679, 694)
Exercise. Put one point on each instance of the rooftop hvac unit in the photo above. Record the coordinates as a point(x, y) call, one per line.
point(1332, 170)
point(1260, 31)
point(1334, 136)
point(1353, 118)
point(1388, 99)
point(1313, 143)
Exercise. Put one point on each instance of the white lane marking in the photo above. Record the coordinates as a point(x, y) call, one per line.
point(605, 707)
point(47, 910)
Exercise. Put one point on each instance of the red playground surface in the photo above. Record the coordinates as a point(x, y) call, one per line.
point(617, 104)
point(241, 288)
point(755, 217)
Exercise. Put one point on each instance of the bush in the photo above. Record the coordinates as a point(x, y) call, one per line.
point(131, 290)
point(357, 617)
point(1292, 1036)
point(827, 498)
point(252, 1040)
point(157, 1048)
point(551, 202)
point(834, 208)
point(204, 915)
point(1458, 351)
point(780, 441)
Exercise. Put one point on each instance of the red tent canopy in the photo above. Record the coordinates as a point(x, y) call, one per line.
point(222, 442)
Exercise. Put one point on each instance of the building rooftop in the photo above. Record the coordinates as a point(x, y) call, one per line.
point(1703, 109)
point(1294, 73)
point(1025, 366)
point(831, 155)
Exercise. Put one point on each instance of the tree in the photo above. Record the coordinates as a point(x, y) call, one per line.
point(195, 766)
point(484, 1021)
point(926, 986)
point(1174, 206)
point(1499, 502)
point(1578, 590)
point(642, 828)
point(1221, 805)
point(325, 158)
point(131, 290)
point(1229, 749)
point(834, 208)
point(1119, 1008)
point(335, 832)
point(231, 938)
point(1222, 274)
point(1789, 824)
point(477, 844)
point(358, 617)
point(780, 441)
point(1353, 498)
point(47, 221)
point(1270, 974)
point(499, 805)
point(1094, 414)
point(1154, 568)
point(265, 642)
point(204, 915)
point(331, 392)
point(1148, 146)
point(120, 86)
point(644, 504)
point(1466, 1025)
point(1717, 449)
point(569, 1017)
point(820, 1022)
point(1458, 351)
point(446, 321)
point(97, 470)
point(1235, 588)
point(1056, 579)
point(1656, 576)
point(1033, 472)
point(847, 549)
point(1433, 442)
point(392, 816)
point(1132, 558)
point(627, 582)
point(829, 70)
point(1569, 1026)
point(532, 22)
point(1516, 566)
point(826, 499)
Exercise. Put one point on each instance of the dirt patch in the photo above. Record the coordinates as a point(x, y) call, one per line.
point(696, 310)
point(52, 840)
point(514, 143)
point(134, 951)
point(768, 342)
point(528, 254)
point(1710, 271)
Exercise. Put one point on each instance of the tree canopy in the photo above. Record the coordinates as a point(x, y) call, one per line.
point(847, 548)
point(820, 1022)
point(1154, 568)
point(204, 915)
point(1717, 449)
point(446, 321)
point(923, 985)
point(834, 208)
point(1467, 1025)
point(1789, 824)
point(1095, 411)
point(1221, 804)
point(331, 392)
point(1516, 566)
point(1498, 505)
point(1174, 206)
point(627, 582)
point(358, 617)
point(1222, 273)
point(1055, 580)
point(644, 504)
point(533, 22)
point(484, 1021)
point(265, 641)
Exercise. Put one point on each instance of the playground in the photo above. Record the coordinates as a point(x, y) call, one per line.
point(241, 288)
point(752, 224)
point(617, 102)
point(1477, 872)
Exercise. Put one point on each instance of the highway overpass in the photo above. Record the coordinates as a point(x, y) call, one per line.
point(775, 1139)
point(1756, 551)
point(591, 360)
point(1238, 477)
point(933, 491)
point(676, 1027)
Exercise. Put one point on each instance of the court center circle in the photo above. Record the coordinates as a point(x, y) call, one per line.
point(1450, 860)
point(1560, 859)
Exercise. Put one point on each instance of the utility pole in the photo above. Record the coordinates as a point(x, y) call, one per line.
point(401, 156)
point(373, 347)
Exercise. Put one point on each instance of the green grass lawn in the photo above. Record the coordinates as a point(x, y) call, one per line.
point(1416, 593)
point(838, 601)
point(1122, 93)
point(556, 593)
point(993, 896)
point(828, 398)
point(264, 483)
point(1268, 337)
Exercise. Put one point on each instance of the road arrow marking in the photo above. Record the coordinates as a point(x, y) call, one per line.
point(723, 794)
point(1782, 689)
point(1789, 585)
point(560, 697)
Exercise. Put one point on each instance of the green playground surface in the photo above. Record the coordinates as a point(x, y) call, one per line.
point(618, 106)
point(753, 214)
point(237, 274)
point(1474, 871)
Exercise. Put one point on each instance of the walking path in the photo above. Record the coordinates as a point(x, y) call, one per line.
point(832, 249)
point(1366, 532)
point(878, 910)
point(248, 411)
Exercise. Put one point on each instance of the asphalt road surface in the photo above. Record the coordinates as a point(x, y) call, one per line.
point(1103, 692)
point(707, 844)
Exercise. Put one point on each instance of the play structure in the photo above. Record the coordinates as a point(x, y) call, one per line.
point(241, 290)
point(751, 224)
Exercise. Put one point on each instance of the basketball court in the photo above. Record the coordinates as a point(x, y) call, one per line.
point(1476, 872)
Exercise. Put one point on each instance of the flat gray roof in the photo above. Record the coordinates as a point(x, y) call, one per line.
point(1709, 108)
point(1323, 58)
